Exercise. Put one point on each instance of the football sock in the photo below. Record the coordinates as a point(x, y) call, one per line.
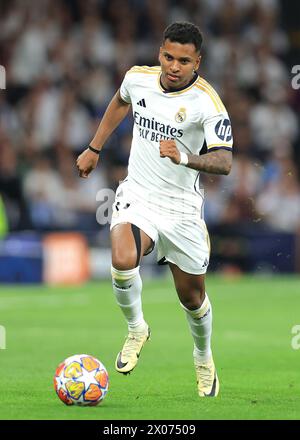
point(200, 322)
point(127, 286)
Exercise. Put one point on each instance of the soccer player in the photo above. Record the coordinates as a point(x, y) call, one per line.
point(160, 201)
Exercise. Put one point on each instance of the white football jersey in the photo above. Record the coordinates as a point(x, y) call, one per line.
point(190, 115)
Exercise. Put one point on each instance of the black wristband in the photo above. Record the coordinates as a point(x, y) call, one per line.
point(94, 150)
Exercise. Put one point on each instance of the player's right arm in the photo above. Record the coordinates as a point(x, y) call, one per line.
point(113, 116)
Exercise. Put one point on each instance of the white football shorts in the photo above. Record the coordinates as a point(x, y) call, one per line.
point(181, 240)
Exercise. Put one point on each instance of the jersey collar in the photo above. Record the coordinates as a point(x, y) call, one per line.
point(182, 89)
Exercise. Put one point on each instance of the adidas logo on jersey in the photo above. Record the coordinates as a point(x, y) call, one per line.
point(142, 103)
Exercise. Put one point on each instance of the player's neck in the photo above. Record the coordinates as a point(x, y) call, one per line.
point(171, 89)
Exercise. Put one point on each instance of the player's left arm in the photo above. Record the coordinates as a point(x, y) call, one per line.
point(218, 135)
point(214, 162)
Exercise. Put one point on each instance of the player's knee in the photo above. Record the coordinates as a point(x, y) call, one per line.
point(191, 296)
point(124, 260)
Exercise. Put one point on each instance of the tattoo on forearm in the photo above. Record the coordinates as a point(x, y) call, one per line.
point(218, 162)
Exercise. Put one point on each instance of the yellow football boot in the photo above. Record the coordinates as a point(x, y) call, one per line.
point(207, 379)
point(129, 356)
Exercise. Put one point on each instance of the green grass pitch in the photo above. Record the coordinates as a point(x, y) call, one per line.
point(253, 320)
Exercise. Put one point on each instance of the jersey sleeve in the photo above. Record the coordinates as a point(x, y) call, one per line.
point(216, 124)
point(125, 89)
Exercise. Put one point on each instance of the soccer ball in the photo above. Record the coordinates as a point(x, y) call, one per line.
point(81, 380)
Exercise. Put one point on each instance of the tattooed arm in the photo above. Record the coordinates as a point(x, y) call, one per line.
point(216, 162)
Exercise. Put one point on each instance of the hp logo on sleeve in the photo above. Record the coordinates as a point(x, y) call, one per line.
point(223, 130)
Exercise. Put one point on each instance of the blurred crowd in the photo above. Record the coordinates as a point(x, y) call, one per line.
point(64, 60)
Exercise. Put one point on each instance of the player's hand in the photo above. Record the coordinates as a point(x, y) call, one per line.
point(86, 163)
point(168, 148)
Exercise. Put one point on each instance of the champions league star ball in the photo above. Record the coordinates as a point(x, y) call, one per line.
point(81, 380)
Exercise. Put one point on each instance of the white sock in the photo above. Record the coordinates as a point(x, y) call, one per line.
point(127, 286)
point(200, 322)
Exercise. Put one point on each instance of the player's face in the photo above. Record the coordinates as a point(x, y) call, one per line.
point(178, 63)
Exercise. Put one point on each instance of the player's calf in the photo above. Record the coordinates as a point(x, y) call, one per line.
point(127, 286)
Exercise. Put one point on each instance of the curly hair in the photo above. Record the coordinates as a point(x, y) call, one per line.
point(184, 32)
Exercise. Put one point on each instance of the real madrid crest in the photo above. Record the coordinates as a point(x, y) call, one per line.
point(180, 115)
